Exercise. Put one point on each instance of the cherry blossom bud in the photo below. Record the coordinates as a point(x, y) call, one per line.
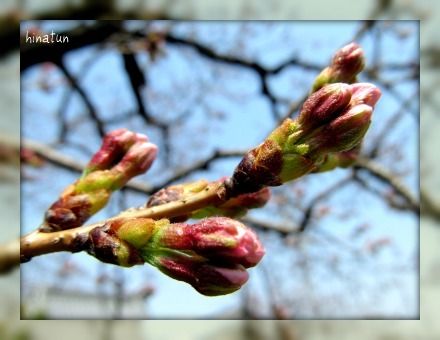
point(176, 192)
point(107, 247)
point(211, 255)
point(113, 148)
point(277, 160)
point(346, 64)
point(334, 119)
point(123, 155)
point(324, 105)
point(207, 279)
point(364, 93)
point(343, 133)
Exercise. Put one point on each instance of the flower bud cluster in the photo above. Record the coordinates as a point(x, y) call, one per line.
point(123, 155)
point(332, 120)
point(346, 64)
point(211, 255)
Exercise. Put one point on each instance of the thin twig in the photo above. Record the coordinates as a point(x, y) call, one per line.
point(387, 177)
point(39, 243)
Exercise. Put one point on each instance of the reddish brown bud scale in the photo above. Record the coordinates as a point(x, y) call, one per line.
point(108, 248)
point(166, 195)
point(69, 211)
point(177, 192)
point(30, 157)
point(259, 167)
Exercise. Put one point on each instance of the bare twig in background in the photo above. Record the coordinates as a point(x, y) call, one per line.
point(385, 176)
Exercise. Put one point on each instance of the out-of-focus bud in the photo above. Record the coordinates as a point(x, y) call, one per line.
point(211, 255)
point(324, 105)
point(29, 157)
point(179, 192)
point(123, 155)
point(346, 64)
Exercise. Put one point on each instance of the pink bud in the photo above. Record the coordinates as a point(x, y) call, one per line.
point(137, 160)
point(215, 238)
point(364, 93)
point(324, 105)
point(207, 279)
point(347, 62)
point(211, 255)
point(343, 133)
point(123, 155)
point(248, 201)
point(114, 146)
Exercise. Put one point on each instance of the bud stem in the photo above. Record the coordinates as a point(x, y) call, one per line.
point(37, 243)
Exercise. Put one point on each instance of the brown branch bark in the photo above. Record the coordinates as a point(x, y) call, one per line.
point(9, 256)
point(429, 206)
point(38, 243)
point(84, 96)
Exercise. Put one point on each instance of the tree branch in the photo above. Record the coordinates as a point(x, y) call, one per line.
point(90, 108)
point(53, 156)
point(9, 256)
point(281, 228)
point(428, 205)
point(72, 240)
point(324, 194)
point(387, 177)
